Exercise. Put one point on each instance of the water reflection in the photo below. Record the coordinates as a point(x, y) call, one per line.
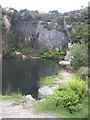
point(24, 75)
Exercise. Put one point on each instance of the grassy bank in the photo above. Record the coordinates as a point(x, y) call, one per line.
point(13, 97)
point(50, 80)
point(45, 54)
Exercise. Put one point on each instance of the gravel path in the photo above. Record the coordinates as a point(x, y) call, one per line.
point(9, 111)
point(64, 79)
point(66, 75)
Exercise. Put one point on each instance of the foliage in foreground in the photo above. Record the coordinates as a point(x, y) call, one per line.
point(68, 102)
point(78, 86)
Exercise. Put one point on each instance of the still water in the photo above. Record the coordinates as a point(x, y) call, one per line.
point(23, 76)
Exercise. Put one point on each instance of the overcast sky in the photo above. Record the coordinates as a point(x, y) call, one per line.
point(45, 5)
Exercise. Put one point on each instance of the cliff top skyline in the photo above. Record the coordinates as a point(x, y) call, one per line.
point(45, 5)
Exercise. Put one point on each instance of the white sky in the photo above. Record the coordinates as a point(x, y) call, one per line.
point(45, 5)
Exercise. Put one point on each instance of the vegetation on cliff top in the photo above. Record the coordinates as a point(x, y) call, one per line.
point(78, 20)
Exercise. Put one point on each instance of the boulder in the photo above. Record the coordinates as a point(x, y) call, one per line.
point(30, 98)
point(45, 91)
point(24, 57)
point(64, 62)
point(68, 55)
point(18, 53)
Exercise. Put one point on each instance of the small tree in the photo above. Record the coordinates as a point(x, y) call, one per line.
point(80, 55)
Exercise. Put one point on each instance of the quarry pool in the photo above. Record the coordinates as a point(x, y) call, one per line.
point(23, 76)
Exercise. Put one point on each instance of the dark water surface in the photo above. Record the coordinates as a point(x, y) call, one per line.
point(24, 75)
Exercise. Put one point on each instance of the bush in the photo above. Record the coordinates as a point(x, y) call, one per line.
point(53, 55)
point(49, 27)
point(57, 53)
point(62, 53)
point(48, 55)
point(80, 54)
point(71, 96)
point(83, 73)
point(78, 86)
point(67, 99)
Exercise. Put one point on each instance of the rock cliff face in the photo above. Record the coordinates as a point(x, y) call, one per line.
point(50, 39)
point(30, 32)
point(49, 31)
point(36, 36)
point(26, 30)
point(7, 22)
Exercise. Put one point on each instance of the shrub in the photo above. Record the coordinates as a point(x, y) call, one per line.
point(62, 53)
point(57, 53)
point(78, 86)
point(45, 54)
point(72, 95)
point(67, 99)
point(49, 27)
point(80, 54)
point(48, 55)
point(83, 73)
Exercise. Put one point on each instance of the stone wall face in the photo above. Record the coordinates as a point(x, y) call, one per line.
point(36, 36)
point(50, 39)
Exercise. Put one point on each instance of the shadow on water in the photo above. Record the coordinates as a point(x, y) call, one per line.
point(24, 75)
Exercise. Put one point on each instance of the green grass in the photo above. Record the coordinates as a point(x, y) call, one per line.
point(50, 80)
point(13, 97)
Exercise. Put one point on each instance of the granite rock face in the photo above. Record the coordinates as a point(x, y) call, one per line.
point(50, 39)
point(36, 36)
point(33, 34)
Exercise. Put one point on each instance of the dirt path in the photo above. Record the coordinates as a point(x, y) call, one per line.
point(66, 75)
point(64, 79)
point(9, 111)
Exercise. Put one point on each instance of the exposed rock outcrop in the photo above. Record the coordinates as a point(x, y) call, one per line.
point(45, 91)
point(36, 36)
point(31, 32)
point(30, 98)
point(7, 22)
point(50, 39)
